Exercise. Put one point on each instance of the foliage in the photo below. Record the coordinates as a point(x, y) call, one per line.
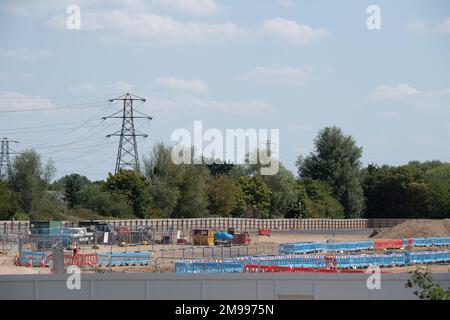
point(256, 196)
point(429, 290)
point(9, 201)
point(393, 192)
point(105, 203)
point(193, 200)
point(133, 186)
point(73, 185)
point(284, 197)
point(438, 180)
point(318, 201)
point(336, 160)
point(223, 194)
point(29, 178)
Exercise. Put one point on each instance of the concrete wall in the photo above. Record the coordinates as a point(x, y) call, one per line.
point(173, 286)
point(218, 223)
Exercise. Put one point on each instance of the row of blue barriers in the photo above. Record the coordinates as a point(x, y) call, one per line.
point(123, 258)
point(37, 258)
point(322, 246)
point(430, 242)
point(313, 261)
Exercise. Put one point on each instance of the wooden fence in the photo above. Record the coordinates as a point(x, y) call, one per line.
point(224, 223)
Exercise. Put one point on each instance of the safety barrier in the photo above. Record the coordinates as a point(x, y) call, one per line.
point(430, 242)
point(322, 246)
point(317, 262)
point(123, 258)
point(253, 268)
point(388, 244)
point(80, 260)
point(35, 259)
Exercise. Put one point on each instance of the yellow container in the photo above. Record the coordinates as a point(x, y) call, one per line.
point(203, 237)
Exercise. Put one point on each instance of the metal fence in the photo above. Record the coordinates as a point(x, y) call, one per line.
point(223, 223)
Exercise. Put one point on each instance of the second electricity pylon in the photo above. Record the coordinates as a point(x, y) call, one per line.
point(127, 153)
point(5, 160)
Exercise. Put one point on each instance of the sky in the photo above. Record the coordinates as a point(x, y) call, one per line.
point(297, 66)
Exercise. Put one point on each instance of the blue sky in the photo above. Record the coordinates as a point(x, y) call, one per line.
point(294, 65)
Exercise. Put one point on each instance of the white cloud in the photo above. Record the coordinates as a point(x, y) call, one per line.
point(85, 87)
point(172, 83)
point(422, 26)
point(13, 100)
point(122, 86)
point(416, 25)
point(24, 54)
point(291, 31)
point(190, 6)
point(226, 106)
point(276, 73)
point(399, 92)
point(443, 27)
point(150, 28)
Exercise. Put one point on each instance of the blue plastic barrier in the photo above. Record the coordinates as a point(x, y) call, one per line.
point(321, 246)
point(123, 258)
point(36, 258)
point(313, 261)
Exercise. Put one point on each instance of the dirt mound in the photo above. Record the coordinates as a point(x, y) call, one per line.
point(417, 229)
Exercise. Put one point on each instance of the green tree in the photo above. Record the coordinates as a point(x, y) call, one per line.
point(133, 186)
point(256, 195)
point(193, 200)
point(164, 197)
point(105, 203)
point(223, 194)
point(29, 177)
point(73, 185)
point(336, 160)
point(318, 201)
point(396, 192)
point(9, 202)
point(164, 179)
point(429, 290)
point(285, 193)
point(438, 180)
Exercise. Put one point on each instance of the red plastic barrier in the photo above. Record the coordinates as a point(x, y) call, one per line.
point(388, 244)
point(80, 260)
point(264, 232)
point(253, 268)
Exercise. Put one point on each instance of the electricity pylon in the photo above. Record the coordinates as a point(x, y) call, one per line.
point(5, 160)
point(127, 153)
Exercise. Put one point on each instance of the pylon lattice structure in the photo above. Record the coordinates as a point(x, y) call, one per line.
point(5, 159)
point(127, 153)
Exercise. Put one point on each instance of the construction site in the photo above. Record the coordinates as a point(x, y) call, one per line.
point(101, 247)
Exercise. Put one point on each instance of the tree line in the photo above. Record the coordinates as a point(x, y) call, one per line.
point(331, 182)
